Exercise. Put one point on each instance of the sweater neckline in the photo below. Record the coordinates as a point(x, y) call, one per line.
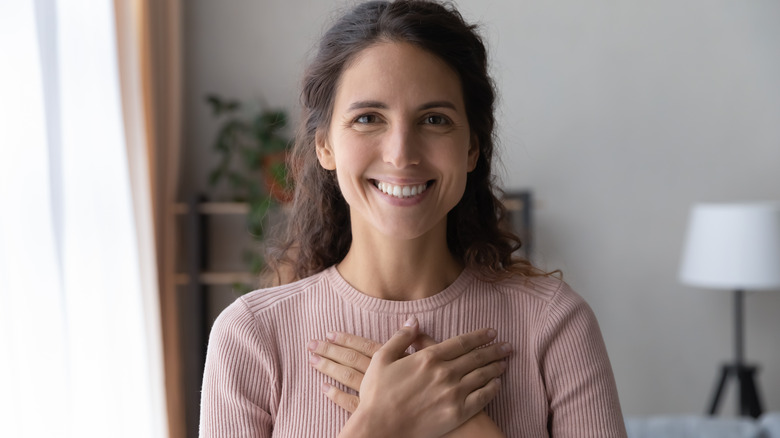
point(367, 302)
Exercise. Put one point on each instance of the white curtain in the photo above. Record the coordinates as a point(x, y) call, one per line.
point(80, 342)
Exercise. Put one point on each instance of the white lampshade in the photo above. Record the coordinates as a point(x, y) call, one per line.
point(733, 246)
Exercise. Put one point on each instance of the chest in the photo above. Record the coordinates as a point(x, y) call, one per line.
point(302, 410)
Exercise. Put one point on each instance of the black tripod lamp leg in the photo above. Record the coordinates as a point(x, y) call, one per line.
point(749, 402)
point(724, 373)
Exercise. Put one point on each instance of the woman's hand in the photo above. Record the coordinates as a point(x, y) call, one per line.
point(433, 391)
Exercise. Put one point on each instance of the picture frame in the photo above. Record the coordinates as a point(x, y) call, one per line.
point(519, 219)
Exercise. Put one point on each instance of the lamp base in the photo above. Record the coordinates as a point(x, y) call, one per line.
point(749, 404)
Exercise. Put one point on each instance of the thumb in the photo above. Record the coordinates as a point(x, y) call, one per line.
point(401, 340)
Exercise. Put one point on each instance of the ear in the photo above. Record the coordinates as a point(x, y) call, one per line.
point(324, 151)
point(473, 153)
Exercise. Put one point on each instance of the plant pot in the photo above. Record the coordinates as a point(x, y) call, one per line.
point(275, 177)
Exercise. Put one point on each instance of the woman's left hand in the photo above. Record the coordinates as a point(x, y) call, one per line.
point(345, 358)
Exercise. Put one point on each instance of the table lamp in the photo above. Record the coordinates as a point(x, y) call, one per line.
point(734, 247)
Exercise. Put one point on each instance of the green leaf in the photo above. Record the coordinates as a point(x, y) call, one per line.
point(255, 189)
point(261, 130)
point(219, 105)
point(215, 103)
point(231, 106)
point(266, 126)
point(236, 179)
point(277, 144)
point(241, 288)
point(258, 211)
point(254, 260)
point(276, 119)
point(252, 158)
point(279, 173)
point(226, 136)
point(215, 176)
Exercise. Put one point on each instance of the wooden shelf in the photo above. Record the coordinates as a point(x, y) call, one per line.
point(213, 278)
point(218, 278)
point(197, 212)
point(213, 208)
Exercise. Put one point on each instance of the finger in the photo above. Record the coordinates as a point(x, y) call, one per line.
point(349, 377)
point(423, 341)
point(346, 401)
point(478, 399)
point(337, 353)
point(397, 345)
point(364, 346)
point(462, 344)
point(482, 376)
point(480, 357)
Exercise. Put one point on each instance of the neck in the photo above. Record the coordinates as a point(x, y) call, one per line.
point(400, 270)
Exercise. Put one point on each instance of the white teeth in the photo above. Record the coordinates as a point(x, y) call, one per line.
point(401, 191)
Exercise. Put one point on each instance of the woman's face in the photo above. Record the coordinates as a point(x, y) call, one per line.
point(399, 141)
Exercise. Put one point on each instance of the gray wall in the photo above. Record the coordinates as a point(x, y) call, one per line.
point(618, 115)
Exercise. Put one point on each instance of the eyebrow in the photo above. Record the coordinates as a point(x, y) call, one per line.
point(362, 104)
point(366, 104)
point(439, 104)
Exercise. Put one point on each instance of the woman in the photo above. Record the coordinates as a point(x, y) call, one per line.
point(395, 219)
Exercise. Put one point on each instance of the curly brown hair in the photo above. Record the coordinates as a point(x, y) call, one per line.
point(318, 233)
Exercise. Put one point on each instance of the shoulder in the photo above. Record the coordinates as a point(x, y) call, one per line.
point(549, 290)
point(264, 300)
point(555, 304)
point(243, 314)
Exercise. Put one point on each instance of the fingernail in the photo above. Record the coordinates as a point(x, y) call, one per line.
point(312, 345)
point(506, 348)
point(325, 387)
point(330, 336)
point(411, 322)
point(491, 333)
point(313, 358)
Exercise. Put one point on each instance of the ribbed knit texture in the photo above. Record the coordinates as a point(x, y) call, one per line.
point(258, 382)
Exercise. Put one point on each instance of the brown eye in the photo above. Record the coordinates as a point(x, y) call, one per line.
point(436, 120)
point(366, 119)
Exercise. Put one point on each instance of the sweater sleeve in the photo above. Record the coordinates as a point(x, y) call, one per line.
point(237, 380)
point(581, 390)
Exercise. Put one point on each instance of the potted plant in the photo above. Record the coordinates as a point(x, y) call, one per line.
point(253, 152)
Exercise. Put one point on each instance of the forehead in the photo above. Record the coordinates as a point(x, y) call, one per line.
point(398, 73)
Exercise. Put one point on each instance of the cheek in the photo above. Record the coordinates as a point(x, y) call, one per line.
point(343, 180)
point(454, 158)
point(350, 171)
point(457, 163)
point(352, 157)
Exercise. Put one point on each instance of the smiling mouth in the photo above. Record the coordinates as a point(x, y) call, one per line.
point(402, 191)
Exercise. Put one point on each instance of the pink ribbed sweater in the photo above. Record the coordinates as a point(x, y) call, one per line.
point(258, 383)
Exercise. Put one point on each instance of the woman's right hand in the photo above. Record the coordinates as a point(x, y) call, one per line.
point(430, 392)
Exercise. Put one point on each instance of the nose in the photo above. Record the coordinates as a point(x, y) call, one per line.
point(401, 149)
